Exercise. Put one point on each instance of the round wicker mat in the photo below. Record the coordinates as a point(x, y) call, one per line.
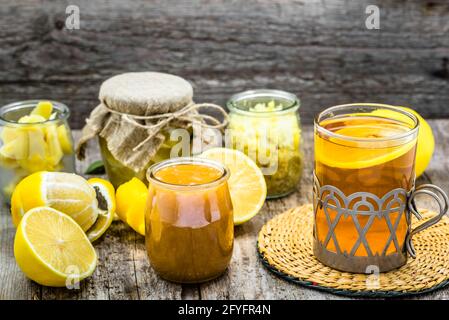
point(285, 247)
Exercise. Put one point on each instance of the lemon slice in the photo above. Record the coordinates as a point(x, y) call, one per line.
point(51, 248)
point(65, 140)
point(106, 205)
point(359, 159)
point(246, 183)
point(131, 201)
point(65, 192)
point(347, 154)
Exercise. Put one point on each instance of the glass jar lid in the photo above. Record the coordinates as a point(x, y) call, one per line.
point(263, 102)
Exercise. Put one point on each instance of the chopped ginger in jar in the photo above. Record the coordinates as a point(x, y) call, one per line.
point(264, 124)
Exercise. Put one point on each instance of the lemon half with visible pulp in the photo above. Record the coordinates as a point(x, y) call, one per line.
point(246, 183)
point(52, 249)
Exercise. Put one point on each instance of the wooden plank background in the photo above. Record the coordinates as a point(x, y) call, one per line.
point(319, 49)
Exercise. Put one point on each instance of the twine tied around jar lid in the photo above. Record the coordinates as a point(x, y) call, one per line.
point(136, 107)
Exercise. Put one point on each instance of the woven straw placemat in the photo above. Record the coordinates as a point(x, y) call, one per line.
point(285, 247)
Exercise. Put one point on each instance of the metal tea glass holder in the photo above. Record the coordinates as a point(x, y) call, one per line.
point(398, 201)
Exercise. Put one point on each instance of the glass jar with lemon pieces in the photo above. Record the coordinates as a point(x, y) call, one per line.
point(34, 136)
point(265, 125)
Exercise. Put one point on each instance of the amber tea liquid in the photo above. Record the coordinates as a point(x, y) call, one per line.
point(368, 161)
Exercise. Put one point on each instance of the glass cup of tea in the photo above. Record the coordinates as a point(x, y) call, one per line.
point(364, 187)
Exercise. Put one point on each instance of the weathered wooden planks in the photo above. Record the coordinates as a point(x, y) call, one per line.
point(319, 49)
point(124, 272)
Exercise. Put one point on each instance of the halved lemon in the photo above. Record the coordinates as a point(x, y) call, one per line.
point(131, 201)
point(106, 208)
point(66, 192)
point(52, 249)
point(246, 183)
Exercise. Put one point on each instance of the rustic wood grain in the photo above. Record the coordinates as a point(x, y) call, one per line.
point(123, 271)
point(13, 284)
point(319, 49)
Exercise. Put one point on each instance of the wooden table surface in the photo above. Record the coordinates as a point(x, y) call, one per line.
point(124, 272)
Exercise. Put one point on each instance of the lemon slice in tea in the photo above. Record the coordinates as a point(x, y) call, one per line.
point(357, 154)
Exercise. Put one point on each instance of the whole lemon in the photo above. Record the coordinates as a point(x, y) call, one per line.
point(131, 200)
point(426, 143)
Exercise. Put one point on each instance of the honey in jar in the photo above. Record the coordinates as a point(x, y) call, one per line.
point(189, 220)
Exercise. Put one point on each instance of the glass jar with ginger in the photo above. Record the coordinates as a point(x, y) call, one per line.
point(34, 136)
point(265, 125)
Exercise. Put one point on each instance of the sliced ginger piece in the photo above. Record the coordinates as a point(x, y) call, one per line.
point(9, 134)
point(54, 147)
point(43, 109)
point(32, 119)
point(18, 148)
point(65, 140)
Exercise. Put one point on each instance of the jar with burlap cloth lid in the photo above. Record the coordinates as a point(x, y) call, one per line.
point(133, 121)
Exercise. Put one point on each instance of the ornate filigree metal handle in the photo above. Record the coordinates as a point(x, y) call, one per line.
point(443, 202)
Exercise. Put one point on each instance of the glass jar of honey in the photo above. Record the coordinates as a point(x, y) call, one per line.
point(189, 219)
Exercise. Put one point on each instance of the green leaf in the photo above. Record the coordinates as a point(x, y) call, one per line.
point(96, 167)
